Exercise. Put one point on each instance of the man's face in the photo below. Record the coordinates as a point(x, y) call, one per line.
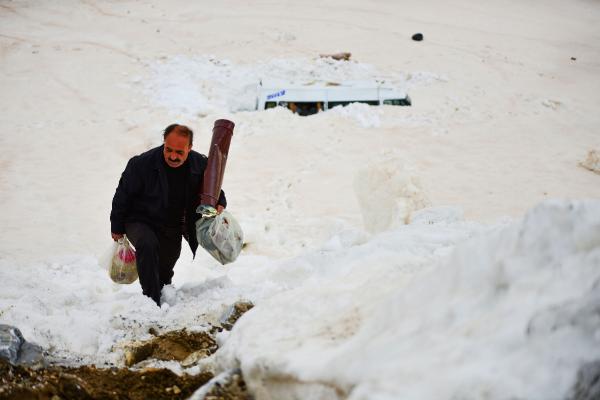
point(176, 150)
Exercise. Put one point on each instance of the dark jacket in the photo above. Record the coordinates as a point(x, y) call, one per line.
point(143, 193)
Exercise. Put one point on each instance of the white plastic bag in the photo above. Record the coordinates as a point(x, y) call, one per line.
point(123, 268)
point(220, 235)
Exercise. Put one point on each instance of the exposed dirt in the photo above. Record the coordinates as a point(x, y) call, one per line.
point(89, 382)
point(174, 345)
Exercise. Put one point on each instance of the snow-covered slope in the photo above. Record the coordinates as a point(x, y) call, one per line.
point(390, 251)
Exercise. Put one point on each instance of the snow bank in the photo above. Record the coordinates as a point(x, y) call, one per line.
point(511, 313)
point(388, 193)
point(365, 115)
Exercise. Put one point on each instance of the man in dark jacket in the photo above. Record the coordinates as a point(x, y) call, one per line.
point(155, 204)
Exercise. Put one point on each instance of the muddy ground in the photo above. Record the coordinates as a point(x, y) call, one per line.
point(89, 382)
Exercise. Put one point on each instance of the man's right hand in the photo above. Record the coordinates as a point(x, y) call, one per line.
point(116, 236)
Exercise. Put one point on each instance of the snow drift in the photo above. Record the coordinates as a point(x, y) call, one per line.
point(511, 313)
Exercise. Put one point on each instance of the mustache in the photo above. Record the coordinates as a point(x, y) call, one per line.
point(177, 160)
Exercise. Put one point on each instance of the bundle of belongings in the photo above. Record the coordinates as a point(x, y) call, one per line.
point(219, 234)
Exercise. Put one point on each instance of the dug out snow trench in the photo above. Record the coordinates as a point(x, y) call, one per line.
point(182, 346)
point(139, 382)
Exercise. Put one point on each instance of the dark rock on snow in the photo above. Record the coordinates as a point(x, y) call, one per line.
point(417, 37)
point(16, 350)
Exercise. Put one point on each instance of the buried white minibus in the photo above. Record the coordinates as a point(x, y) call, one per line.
point(309, 99)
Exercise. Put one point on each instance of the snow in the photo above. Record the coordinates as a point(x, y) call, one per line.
point(448, 250)
point(397, 190)
point(509, 312)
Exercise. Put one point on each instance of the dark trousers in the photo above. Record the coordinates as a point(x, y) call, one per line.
point(157, 252)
